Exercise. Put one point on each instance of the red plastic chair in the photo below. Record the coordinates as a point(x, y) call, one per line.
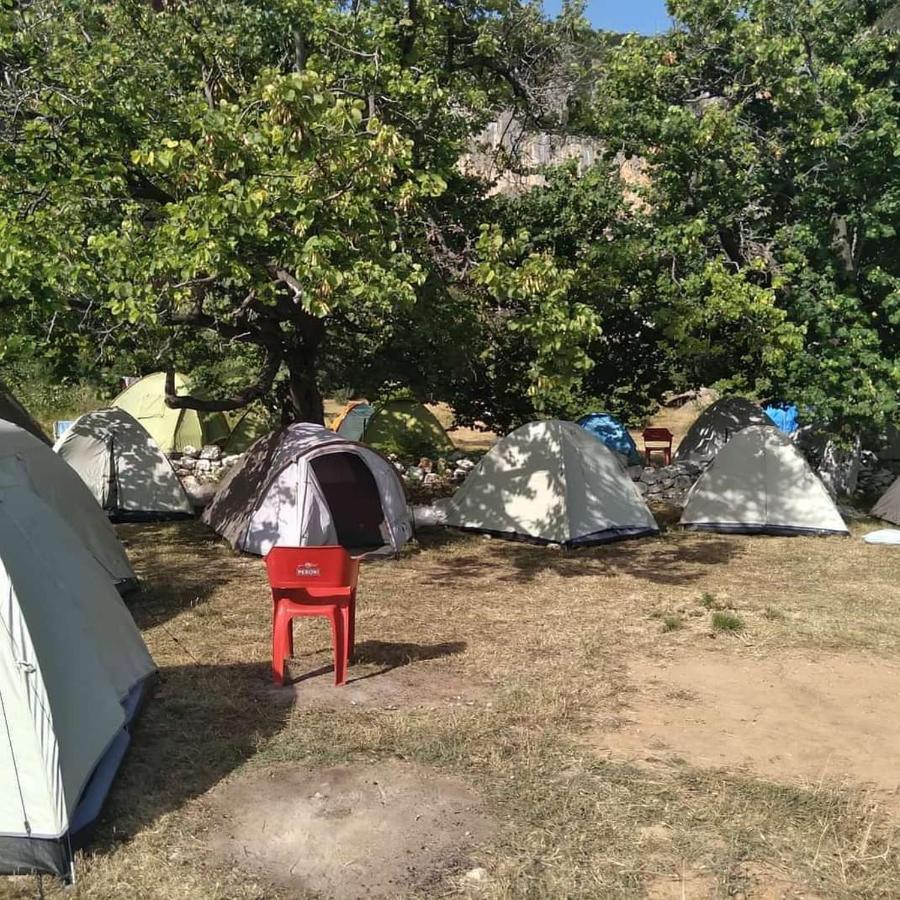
point(312, 581)
point(662, 439)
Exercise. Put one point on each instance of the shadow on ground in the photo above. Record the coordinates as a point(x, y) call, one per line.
point(179, 564)
point(373, 658)
point(198, 725)
point(675, 558)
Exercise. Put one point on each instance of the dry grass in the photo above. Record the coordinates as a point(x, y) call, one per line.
point(541, 641)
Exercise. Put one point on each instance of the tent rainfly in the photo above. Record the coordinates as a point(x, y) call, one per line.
point(58, 485)
point(888, 506)
point(551, 482)
point(715, 425)
point(305, 486)
point(13, 411)
point(760, 483)
point(73, 668)
point(172, 429)
point(408, 428)
point(351, 422)
point(246, 429)
point(613, 433)
point(123, 467)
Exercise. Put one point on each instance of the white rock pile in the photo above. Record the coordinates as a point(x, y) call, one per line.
point(200, 470)
point(667, 484)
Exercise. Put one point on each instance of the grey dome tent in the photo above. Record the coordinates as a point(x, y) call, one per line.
point(61, 488)
point(760, 483)
point(73, 667)
point(715, 425)
point(13, 411)
point(551, 482)
point(305, 486)
point(888, 506)
point(123, 467)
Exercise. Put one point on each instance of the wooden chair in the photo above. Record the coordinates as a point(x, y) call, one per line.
point(661, 441)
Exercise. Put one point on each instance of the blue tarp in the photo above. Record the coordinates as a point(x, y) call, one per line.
point(613, 433)
point(785, 416)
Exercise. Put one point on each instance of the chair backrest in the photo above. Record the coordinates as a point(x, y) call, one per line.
point(289, 567)
point(658, 435)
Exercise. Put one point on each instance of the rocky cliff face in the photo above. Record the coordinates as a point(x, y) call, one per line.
point(510, 156)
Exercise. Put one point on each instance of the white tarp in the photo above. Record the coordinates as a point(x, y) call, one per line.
point(122, 466)
point(555, 482)
point(760, 482)
point(58, 485)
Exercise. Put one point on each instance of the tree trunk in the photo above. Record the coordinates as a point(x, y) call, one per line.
point(303, 390)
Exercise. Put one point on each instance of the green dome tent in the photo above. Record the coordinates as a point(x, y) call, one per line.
point(407, 428)
point(172, 429)
point(247, 427)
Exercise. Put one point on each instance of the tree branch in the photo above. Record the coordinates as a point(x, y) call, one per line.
point(255, 391)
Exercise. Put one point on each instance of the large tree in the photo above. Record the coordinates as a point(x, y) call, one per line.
point(769, 133)
point(274, 174)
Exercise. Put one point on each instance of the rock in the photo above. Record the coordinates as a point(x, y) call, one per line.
point(203, 465)
point(415, 473)
point(459, 474)
point(188, 463)
point(635, 472)
point(466, 464)
point(426, 464)
point(231, 459)
point(431, 479)
point(684, 482)
point(190, 452)
point(650, 475)
point(441, 465)
point(476, 875)
point(642, 487)
point(399, 466)
point(211, 451)
point(198, 493)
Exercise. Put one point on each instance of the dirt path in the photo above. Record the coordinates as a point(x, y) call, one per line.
point(348, 832)
point(788, 719)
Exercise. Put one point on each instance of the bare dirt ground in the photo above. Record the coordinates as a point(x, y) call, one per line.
point(790, 718)
point(492, 667)
point(349, 831)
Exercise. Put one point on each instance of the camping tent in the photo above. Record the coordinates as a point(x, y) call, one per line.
point(785, 416)
point(351, 422)
point(613, 433)
point(247, 428)
point(58, 485)
point(715, 425)
point(123, 467)
point(406, 427)
point(551, 482)
point(72, 671)
point(172, 429)
point(305, 486)
point(760, 482)
point(13, 411)
point(888, 507)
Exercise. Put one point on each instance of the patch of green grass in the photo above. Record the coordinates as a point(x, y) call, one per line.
point(672, 623)
point(727, 621)
point(707, 601)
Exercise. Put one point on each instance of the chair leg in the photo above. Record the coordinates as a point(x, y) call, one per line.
point(339, 639)
point(351, 628)
point(278, 646)
point(289, 634)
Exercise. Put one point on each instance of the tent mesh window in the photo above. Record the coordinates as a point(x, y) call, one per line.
point(352, 496)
